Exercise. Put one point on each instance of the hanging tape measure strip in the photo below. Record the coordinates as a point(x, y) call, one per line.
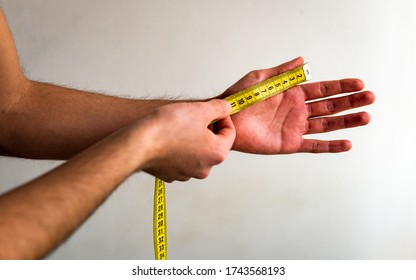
point(159, 221)
point(238, 101)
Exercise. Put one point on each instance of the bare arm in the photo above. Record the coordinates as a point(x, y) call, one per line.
point(55, 122)
point(38, 216)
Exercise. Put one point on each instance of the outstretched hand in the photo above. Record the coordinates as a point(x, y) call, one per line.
point(277, 125)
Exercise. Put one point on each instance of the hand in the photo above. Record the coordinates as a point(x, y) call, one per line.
point(276, 125)
point(183, 142)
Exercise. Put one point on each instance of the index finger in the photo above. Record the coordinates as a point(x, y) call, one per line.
point(329, 88)
point(257, 76)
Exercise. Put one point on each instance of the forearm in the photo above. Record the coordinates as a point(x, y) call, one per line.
point(55, 122)
point(38, 216)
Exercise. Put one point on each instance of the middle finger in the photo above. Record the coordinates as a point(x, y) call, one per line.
point(335, 105)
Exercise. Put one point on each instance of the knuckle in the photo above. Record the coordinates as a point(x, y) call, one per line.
point(256, 75)
point(323, 89)
point(325, 125)
point(316, 146)
point(202, 174)
point(330, 107)
point(218, 158)
point(183, 178)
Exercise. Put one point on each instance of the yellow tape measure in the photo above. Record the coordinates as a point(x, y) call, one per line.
point(159, 221)
point(268, 88)
point(238, 101)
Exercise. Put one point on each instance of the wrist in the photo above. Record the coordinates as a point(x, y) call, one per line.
point(140, 144)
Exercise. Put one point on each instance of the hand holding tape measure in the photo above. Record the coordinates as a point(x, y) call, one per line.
point(285, 119)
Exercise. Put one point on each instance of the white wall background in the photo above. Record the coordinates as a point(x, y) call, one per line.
point(355, 205)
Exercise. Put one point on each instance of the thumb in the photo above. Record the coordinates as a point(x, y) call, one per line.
point(217, 110)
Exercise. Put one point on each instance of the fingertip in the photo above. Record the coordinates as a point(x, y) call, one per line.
point(351, 85)
point(220, 109)
point(347, 145)
point(370, 97)
point(227, 106)
point(359, 84)
point(300, 60)
point(296, 62)
point(365, 118)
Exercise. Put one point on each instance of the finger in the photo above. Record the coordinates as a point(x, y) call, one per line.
point(320, 125)
point(264, 74)
point(224, 136)
point(224, 127)
point(226, 132)
point(257, 76)
point(328, 88)
point(216, 109)
point(323, 146)
point(335, 105)
point(270, 72)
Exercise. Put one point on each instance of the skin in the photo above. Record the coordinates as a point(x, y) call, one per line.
point(109, 138)
point(276, 125)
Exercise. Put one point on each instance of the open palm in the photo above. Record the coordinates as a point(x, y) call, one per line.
point(277, 125)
